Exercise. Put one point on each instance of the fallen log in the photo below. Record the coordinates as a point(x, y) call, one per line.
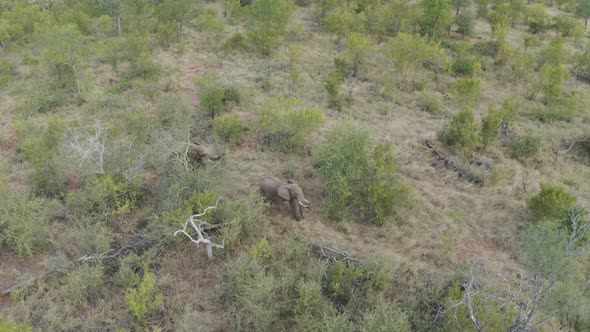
point(462, 171)
point(335, 254)
point(573, 144)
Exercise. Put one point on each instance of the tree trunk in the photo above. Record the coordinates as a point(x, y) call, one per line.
point(118, 24)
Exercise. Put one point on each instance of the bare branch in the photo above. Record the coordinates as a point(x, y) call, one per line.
point(202, 236)
point(89, 145)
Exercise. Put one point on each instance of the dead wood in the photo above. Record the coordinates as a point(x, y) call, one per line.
point(462, 171)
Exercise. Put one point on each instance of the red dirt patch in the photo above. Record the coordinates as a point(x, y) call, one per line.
point(9, 141)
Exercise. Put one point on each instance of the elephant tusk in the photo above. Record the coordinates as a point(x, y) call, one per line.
point(302, 204)
point(307, 202)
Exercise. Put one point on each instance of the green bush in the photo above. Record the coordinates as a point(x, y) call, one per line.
point(332, 86)
point(8, 326)
point(465, 23)
point(236, 42)
point(144, 300)
point(105, 196)
point(464, 66)
point(537, 19)
point(490, 126)
point(229, 128)
point(207, 21)
point(430, 102)
point(358, 179)
point(267, 23)
point(524, 147)
point(461, 135)
point(284, 126)
point(551, 203)
point(23, 224)
point(466, 91)
point(385, 317)
point(44, 104)
point(7, 72)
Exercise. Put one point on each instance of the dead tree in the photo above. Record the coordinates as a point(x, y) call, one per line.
point(89, 145)
point(199, 226)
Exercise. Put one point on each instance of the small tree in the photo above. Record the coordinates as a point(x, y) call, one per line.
point(461, 135)
point(436, 17)
point(552, 78)
point(551, 203)
point(267, 21)
point(490, 126)
point(357, 48)
point(583, 10)
point(144, 300)
point(65, 58)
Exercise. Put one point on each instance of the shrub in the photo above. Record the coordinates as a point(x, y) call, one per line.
point(385, 317)
point(229, 128)
point(23, 224)
point(105, 196)
point(465, 66)
point(581, 67)
point(340, 281)
point(357, 47)
point(466, 91)
point(554, 53)
point(261, 251)
point(552, 78)
point(212, 96)
point(332, 86)
point(551, 203)
point(236, 42)
point(430, 102)
point(461, 135)
point(44, 104)
point(6, 325)
point(144, 300)
point(7, 72)
point(284, 127)
point(567, 26)
point(465, 23)
point(524, 147)
point(267, 23)
point(358, 179)
point(537, 20)
point(207, 21)
point(490, 126)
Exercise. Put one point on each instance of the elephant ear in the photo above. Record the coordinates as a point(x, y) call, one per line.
point(284, 192)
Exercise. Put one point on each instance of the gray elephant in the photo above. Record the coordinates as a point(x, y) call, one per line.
point(200, 153)
point(279, 191)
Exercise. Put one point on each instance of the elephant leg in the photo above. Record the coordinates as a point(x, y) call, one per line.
point(295, 208)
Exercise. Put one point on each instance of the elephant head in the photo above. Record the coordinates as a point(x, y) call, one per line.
point(201, 153)
point(280, 191)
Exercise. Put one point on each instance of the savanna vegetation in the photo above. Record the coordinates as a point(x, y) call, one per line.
point(442, 147)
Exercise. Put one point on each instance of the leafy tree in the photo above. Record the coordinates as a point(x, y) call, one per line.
point(490, 126)
point(461, 135)
point(465, 23)
point(583, 10)
point(407, 53)
point(172, 15)
point(357, 48)
point(436, 17)
point(144, 300)
point(537, 19)
point(267, 22)
point(552, 79)
point(554, 53)
point(460, 4)
point(551, 203)
point(65, 58)
point(466, 91)
point(22, 222)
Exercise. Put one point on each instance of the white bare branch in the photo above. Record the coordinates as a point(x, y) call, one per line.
point(89, 145)
point(198, 226)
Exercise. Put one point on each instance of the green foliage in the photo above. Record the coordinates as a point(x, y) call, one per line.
point(357, 49)
point(465, 66)
point(7, 72)
point(253, 294)
point(357, 179)
point(340, 281)
point(144, 300)
point(581, 66)
point(461, 135)
point(343, 19)
point(332, 85)
point(430, 102)
point(229, 128)
point(211, 96)
point(407, 53)
point(105, 196)
point(44, 104)
point(208, 21)
point(386, 194)
point(267, 22)
point(64, 59)
point(84, 284)
point(385, 317)
point(554, 53)
point(9, 326)
point(436, 16)
point(23, 224)
point(261, 251)
point(194, 204)
point(490, 126)
point(552, 79)
point(284, 126)
point(237, 42)
point(524, 147)
point(465, 24)
point(466, 91)
point(537, 19)
point(551, 203)
point(568, 26)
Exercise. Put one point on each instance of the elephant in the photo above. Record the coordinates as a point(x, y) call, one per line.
point(279, 191)
point(200, 153)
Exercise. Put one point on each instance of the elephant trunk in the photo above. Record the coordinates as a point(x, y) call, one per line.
point(215, 158)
